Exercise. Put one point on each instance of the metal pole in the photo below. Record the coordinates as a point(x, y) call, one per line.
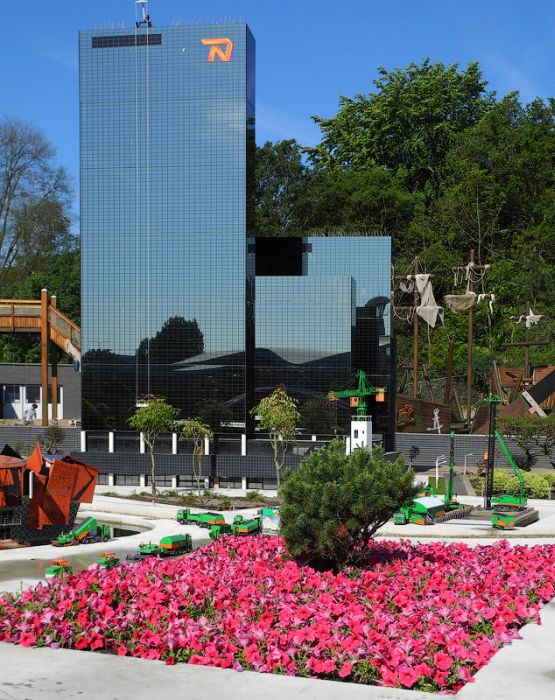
point(447, 392)
point(415, 332)
point(470, 341)
point(491, 451)
point(526, 347)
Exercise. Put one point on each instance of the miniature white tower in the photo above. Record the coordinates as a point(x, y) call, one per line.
point(361, 433)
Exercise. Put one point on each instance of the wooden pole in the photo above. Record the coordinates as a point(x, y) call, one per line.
point(415, 332)
point(54, 373)
point(44, 352)
point(447, 392)
point(526, 346)
point(470, 342)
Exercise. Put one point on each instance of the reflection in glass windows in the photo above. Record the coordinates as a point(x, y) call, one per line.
point(165, 136)
point(326, 319)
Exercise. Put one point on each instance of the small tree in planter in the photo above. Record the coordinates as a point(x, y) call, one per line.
point(153, 417)
point(279, 416)
point(197, 431)
point(51, 438)
point(534, 435)
point(332, 505)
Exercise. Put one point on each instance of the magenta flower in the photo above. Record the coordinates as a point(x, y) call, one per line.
point(416, 614)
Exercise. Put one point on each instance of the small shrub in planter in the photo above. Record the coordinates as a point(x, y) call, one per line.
point(332, 505)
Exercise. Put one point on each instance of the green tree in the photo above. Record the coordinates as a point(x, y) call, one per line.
point(373, 201)
point(332, 505)
point(534, 435)
point(34, 196)
point(407, 125)
point(281, 181)
point(152, 417)
point(197, 431)
point(279, 416)
point(61, 275)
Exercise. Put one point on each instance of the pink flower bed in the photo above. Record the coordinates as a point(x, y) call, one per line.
point(418, 616)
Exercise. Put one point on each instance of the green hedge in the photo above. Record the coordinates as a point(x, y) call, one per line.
point(536, 485)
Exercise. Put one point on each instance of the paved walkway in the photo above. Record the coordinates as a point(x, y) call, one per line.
point(526, 667)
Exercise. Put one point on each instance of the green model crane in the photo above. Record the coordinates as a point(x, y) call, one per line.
point(428, 508)
point(359, 394)
point(506, 506)
point(516, 500)
point(508, 509)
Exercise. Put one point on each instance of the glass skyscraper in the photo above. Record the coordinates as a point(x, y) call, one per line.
point(167, 138)
point(179, 297)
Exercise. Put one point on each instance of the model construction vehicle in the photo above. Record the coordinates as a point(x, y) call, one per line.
point(89, 531)
point(240, 526)
point(170, 546)
point(429, 508)
point(510, 509)
point(58, 567)
point(201, 519)
point(107, 560)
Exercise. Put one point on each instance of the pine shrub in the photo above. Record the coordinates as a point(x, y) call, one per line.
point(332, 505)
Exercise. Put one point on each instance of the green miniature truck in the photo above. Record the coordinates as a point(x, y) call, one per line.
point(174, 545)
point(107, 560)
point(144, 550)
point(58, 568)
point(217, 530)
point(201, 519)
point(87, 532)
point(240, 527)
point(247, 527)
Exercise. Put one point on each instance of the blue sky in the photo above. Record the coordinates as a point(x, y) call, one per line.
point(309, 52)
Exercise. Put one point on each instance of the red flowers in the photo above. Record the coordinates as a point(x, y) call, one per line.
point(418, 616)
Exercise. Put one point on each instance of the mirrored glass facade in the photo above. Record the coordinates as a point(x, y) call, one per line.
point(325, 318)
point(178, 298)
point(167, 135)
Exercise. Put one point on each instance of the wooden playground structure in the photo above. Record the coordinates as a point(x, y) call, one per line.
point(42, 316)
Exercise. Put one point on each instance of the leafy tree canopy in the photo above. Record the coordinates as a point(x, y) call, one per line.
point(407, 125)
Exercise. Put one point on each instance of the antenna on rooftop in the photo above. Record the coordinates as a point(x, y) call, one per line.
point(145, 21)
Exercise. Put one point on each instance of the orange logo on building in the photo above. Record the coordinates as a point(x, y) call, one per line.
point(216, 46)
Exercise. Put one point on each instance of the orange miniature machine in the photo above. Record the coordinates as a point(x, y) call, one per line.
point(40, 496)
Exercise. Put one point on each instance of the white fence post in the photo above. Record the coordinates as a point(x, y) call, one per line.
point(174, 443)
point(83, 441)
point(142, 444)
point(111, 441)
